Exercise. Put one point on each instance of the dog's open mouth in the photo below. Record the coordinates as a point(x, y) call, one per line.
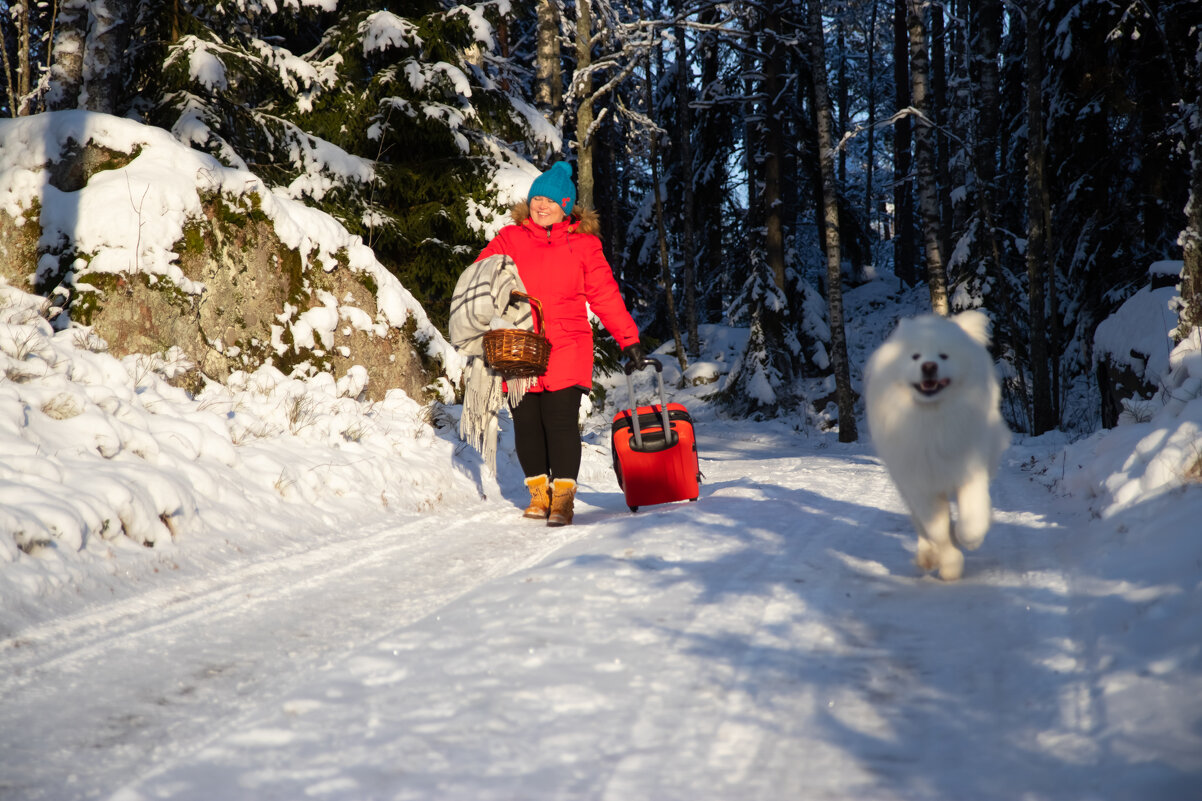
point(932, 386)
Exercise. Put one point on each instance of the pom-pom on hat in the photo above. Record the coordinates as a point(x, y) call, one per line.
point(555, 183)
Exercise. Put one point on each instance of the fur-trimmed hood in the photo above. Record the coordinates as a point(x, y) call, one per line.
point(582, 220)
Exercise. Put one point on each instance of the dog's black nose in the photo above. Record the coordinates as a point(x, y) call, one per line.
point(929, 369)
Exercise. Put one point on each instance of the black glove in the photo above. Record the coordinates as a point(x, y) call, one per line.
point(634, 356)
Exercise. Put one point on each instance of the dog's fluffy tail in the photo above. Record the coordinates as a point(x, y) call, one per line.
point(974, 323)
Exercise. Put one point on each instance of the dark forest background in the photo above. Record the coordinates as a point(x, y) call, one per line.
point(749, 160)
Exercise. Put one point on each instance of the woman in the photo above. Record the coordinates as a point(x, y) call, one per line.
point(560, 262)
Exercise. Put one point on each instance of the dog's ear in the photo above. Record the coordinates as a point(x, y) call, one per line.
point(975, 324)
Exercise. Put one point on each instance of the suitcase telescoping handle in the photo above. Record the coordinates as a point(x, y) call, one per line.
point(669, 434)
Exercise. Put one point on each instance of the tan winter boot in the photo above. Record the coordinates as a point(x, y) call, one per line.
point(563, 495)
point(540, 498)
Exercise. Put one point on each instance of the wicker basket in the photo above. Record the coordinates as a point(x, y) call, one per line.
point(515, 352)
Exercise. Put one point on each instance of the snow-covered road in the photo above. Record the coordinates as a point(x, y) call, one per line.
point(772, 641)
point(277, 589)
point(144, 680)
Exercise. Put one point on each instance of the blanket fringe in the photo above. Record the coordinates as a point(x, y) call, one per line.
point(481, 298)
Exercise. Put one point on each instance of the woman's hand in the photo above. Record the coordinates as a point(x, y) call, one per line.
point(634, 356)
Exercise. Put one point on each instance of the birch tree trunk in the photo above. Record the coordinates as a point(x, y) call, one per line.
point(924, 155)
point(108, 40)
point(1037, 216)
point(23, 103)
point(831, 234)
point(548, 70)
point(584, 111)
point(70, 42)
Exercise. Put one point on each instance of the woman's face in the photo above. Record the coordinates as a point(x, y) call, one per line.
point(545, 211)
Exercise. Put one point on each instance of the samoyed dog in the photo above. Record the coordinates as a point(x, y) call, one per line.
point(932, 399)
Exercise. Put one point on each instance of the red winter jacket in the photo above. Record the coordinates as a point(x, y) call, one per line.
point(563, 267)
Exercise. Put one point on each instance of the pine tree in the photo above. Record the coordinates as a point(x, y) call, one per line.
point(395, 124)
point(1117, 172)
point(395, 118)
point(789, 329)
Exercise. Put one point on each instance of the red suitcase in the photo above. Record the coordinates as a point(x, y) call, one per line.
point(651, 467)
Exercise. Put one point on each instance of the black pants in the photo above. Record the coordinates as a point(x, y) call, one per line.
point(546, 432)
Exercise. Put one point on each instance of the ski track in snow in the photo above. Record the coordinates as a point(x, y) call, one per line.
point(771, 641)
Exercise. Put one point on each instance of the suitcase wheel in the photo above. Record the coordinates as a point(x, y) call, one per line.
point(634, 508)
point(692, 500)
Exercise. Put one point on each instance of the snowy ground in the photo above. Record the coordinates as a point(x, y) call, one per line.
point(770, 641)
point(325, 624)
point(277, 591)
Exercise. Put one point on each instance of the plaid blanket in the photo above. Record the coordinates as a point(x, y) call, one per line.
point(479, 304)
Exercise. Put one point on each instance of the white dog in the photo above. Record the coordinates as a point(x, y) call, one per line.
point(932, 400)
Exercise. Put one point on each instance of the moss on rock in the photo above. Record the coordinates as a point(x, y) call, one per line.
point(254, 288)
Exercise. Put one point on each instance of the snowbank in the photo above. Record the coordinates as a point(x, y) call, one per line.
point(1139, 460)
point(104, 455)
point(130, 217)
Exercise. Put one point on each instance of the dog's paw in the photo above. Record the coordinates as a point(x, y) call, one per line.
point(972, 539)
point(951, 565)
point(926, 558)
point(970, 531)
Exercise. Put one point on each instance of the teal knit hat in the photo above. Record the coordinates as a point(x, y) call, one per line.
point(555, 183)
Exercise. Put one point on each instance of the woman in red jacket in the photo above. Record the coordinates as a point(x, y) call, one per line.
point(558, 256)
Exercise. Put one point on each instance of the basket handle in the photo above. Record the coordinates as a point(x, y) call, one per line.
point(536, 307)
